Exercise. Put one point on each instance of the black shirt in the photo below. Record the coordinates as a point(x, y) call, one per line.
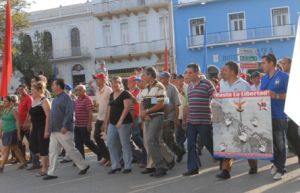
point(117, 107)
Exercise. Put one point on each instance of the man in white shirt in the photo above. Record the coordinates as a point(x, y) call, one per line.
point(102, 98)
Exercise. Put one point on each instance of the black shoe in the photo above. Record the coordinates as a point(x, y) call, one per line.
point(113, 171)
point(34, 167)
point(171, 164)
point(159, 174)
point(191, 173)
point(48, 177)
point(252, 171)
point(126, 171)
point(148, 171)
point(180, 157)
point(65, 161)
point(223, 175)
point(82, 172)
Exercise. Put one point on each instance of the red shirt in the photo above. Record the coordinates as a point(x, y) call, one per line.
point(83, 105)
point(136, 106)
point(24, 107)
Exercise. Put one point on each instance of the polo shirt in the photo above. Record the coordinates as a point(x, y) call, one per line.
point(199, 102)
point(151, 95)
point(278, 83)
point(24, 107)
point(83, 105)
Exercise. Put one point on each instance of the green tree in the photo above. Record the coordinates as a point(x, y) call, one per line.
point(19, 17)
point(33, 57)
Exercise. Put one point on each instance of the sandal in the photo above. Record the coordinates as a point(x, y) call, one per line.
point(41, 174)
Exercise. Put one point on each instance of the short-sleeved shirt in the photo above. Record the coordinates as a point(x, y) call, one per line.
point(239, 85)
point(136, 106)
point(173, 102)
point(199, 99)
point(83, 105)
point(102, 99)
point(24, 107)
point(153, 94)
point(117, 107)
point(278, 83)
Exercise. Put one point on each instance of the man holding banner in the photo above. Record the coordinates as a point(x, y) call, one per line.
point(277, 82)
point(233, 84)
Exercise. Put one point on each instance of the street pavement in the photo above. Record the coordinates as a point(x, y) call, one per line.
point(98, 181)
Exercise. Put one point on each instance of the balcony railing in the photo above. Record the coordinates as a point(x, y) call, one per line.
point(118, 5)
point(248, 35)
point(139, 48)
point(74, 52)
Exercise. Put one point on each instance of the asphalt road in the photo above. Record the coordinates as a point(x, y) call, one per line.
point(98, 181)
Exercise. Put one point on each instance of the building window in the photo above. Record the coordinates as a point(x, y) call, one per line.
point(280, 16)
point(143, 30)
point(237, 21)
point(124, 33)
point(163, 25)
point(106, 35)
point(47, 43)
point(75, 42)
point(197, 26)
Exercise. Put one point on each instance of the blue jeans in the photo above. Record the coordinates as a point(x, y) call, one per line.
point(118, 142)
point(205, 132)
point(138, 140)
point(279, 146)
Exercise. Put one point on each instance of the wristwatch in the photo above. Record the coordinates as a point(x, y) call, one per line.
point(277, 96)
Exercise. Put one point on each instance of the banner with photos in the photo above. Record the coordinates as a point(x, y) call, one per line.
point(242, 125)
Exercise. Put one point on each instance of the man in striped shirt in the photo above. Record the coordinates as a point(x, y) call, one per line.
point(83, 122)
point(199, 121)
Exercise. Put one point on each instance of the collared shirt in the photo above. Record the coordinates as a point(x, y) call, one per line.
point(62, 113)
point(278, 83)
point(172, 102)
point(83, 106)
point(151, 95)
point(102, 99)
point(24, 107)
point(239, 85)
point(199, 99)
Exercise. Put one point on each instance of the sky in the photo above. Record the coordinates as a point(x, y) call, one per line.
point(47, 4)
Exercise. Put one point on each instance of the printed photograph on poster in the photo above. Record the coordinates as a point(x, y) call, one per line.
point(242, 125)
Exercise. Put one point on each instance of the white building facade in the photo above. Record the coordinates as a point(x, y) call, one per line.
point(126, 34)
point(71, 30)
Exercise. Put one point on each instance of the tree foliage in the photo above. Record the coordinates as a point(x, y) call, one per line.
point(19, 17)
point(33, 57)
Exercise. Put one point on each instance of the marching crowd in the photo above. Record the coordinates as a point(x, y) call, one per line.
point(148, 123)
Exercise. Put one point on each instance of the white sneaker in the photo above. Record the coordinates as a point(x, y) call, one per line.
point(277, 176)
point(273, 170)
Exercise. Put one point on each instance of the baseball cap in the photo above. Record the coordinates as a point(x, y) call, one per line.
point(164, 74)
point(99, 76)
point(68, 87)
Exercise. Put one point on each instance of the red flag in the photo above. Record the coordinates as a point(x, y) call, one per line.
point(7, 53)
point(166, 65)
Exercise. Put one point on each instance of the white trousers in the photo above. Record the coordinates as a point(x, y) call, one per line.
point(57, 141)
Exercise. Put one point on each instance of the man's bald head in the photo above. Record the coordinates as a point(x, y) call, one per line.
point(81, 90)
